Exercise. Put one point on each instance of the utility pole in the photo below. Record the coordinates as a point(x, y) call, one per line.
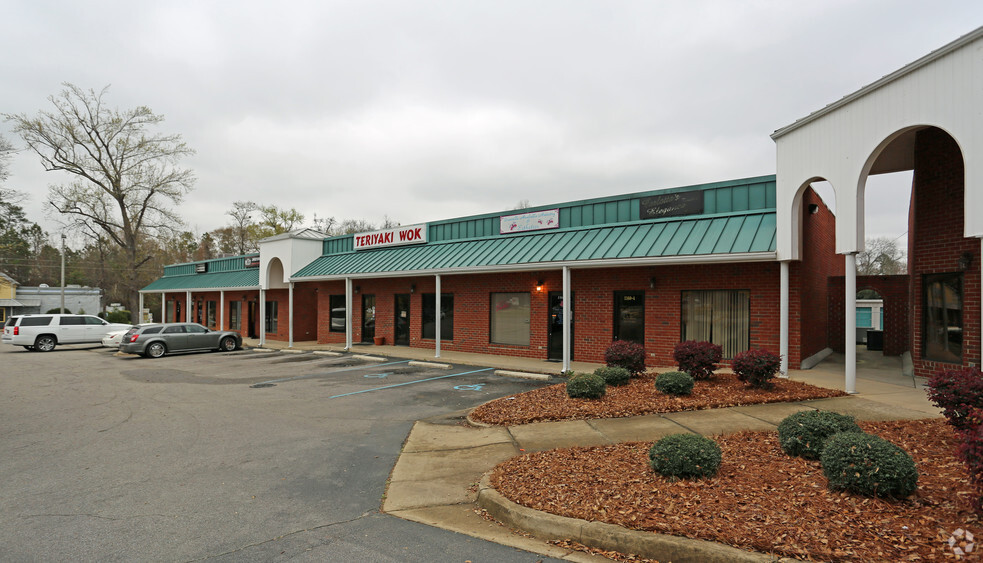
point(62, 273)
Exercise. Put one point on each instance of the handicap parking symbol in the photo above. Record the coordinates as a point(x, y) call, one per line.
point(475, 387)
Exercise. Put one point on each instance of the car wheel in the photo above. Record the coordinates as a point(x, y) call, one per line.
point(228, 344)
point(45, 343)
point(156, 349)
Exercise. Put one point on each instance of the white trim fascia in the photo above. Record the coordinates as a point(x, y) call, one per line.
point(887, 79)
point(573, 265)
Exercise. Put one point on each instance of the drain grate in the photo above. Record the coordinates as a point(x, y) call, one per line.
point(262, 385)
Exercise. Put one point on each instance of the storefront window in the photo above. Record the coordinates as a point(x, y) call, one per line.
point(235, 313)
point(271, 320)
point(338, 314)
point(943, 317)
point(720, 316)
point(210, 314)
point(510, 318)
point(446, 315)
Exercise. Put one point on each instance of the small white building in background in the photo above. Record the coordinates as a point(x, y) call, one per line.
point(43, 298)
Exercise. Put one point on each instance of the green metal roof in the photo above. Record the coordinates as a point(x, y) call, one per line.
point(719, 234)
point(218, 280)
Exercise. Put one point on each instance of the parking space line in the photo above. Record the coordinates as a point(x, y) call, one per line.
point(410, 383)
point(336, 371)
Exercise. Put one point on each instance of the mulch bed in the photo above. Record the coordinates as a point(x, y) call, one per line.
point(640, 397)
point(761, 499)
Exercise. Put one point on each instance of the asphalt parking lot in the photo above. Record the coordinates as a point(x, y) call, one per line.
point(248, 456)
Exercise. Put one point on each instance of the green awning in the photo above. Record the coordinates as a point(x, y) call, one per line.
point(248, 279)
point(738, 235)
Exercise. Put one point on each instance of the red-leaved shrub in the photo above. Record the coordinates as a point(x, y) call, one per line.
point(757, 367)
point(698, 359)
point(957, 392)
point(970, 450)
point(628, 355)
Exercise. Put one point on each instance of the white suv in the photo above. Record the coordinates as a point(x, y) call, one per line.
point(44, 332)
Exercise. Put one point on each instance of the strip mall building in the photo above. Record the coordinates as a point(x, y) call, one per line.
point(751, 263)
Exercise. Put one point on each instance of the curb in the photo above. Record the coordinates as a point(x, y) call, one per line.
point(419, 363)
point(523, 375)
point(610, 536)
point(369, 358)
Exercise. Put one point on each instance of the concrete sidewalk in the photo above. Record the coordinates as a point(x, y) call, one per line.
point(438, 478)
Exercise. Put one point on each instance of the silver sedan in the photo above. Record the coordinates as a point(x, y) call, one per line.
point(156, 340)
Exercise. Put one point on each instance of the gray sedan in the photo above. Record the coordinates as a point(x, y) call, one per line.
point(155, 340)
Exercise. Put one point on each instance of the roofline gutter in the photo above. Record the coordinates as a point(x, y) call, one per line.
point(573, 265)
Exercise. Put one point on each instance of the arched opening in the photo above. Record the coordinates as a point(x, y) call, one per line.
point(912, 224)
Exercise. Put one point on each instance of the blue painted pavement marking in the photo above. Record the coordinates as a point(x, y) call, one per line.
point(335, 371)
point(475, 387)
point(379, 375)
point(410, 383)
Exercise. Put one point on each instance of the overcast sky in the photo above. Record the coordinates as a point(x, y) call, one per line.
point(430, 110)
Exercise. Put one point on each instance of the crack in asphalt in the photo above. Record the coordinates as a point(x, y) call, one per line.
point(286, 535)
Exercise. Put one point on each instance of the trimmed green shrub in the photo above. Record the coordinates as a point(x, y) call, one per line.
point(628, 355)
point(757, 367)
point(804, 434)
point(699, 359)
point(868, 465)
point(57, 310)
point(682, 456)
point(613, 375)
point(586, 386)
point(118, 317)
point(674, 383)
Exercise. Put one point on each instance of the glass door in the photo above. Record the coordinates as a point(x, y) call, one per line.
point(554, 342)
point(629, 316)
point(368, 318)
point(401, 324)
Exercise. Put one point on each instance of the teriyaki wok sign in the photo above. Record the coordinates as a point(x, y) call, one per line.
point(412, 234)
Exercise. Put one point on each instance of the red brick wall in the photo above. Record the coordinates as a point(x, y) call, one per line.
point(936, 233)
point(593, 306)
point(808, 278)
point(894, 292)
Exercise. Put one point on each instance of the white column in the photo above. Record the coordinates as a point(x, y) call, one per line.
point(348, 313)
point(436, 346)
point(187, 308)
point(140, 310)
point(850, 338)
point(566, 319)
point(221, 309)
point(163, 307)
point(262, 317)
point(783, 320)
point(290, 313)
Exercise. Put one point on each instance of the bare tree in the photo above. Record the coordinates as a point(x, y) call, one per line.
point(241, 214)
point(881, 257)
point(523, 204)
point(124, 177)
point(323, 224)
